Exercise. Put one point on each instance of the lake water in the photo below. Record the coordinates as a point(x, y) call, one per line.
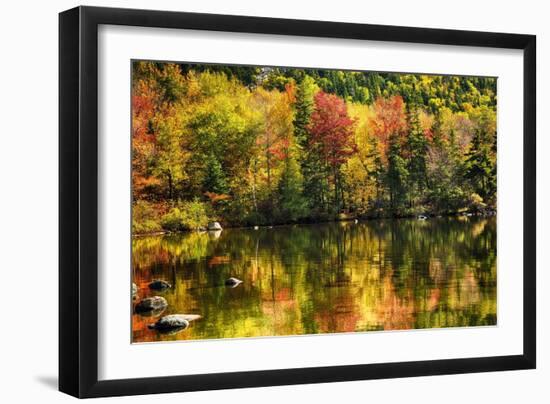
point(322, 278)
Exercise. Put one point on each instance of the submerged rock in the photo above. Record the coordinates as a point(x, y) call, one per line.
point(233, 282)
point(155, 303)
point(214, 226)
point(174, 322)
point(158, 284)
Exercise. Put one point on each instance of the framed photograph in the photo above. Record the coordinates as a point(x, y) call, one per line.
point(251, 201)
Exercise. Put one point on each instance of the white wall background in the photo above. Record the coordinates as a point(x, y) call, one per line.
point(28, 199)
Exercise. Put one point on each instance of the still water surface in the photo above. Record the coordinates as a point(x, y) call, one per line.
point(322, 278)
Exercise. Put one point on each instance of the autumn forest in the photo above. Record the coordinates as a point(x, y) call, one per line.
point(254, 146)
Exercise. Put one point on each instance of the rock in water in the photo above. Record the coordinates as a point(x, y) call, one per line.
point(170, 323)
point(233, 282)
point(174, 322)
point(134, 290)
point(214, 226)
point(159, 285)
point(422, 217)
point(151, 304)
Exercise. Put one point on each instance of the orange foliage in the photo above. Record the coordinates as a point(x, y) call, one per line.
point(214, 197)
point(390, 119)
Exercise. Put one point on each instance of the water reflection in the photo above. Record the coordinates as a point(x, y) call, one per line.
point(323, 278)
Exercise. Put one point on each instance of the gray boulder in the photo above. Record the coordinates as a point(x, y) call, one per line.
point(214, 226)
point(159, 285)
point(174, 322)
point(154, 303)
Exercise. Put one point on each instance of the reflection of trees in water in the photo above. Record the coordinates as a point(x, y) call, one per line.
point(392, 274)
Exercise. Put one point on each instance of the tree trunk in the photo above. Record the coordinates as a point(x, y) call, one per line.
point(336, 204)
point(170, 186)
point(254, 185)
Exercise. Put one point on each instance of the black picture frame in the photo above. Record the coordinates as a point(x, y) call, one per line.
point(78, 201)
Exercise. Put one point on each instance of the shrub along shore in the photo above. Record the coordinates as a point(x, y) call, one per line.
point(195, 219)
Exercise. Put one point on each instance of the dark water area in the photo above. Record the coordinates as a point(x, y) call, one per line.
point(322, 278)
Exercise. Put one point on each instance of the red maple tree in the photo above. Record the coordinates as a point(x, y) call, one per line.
point(331, 129)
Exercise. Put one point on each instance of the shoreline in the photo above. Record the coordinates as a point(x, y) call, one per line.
point(486, 213)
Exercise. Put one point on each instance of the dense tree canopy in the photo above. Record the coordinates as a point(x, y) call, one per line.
point(258, 145)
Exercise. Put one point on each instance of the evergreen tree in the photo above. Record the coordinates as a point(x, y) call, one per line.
point(397, 176)
point(312, 170)
point(291, 203)
point(303, 107)
point(214, 180)
point(416, 148)
point(479, 170)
